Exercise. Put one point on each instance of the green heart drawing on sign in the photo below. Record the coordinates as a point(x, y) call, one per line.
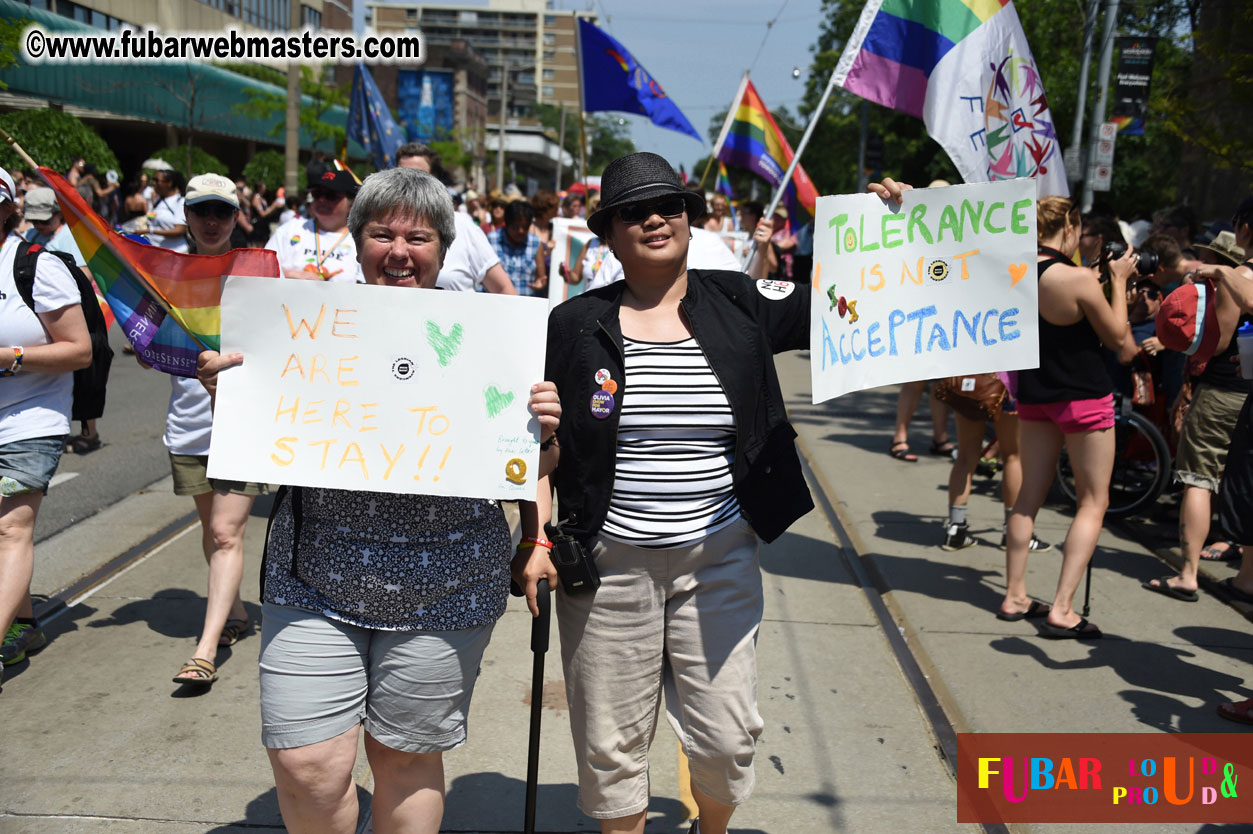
point(445, 347)
point(496, 400)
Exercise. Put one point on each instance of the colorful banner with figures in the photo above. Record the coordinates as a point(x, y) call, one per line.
point(944, 284)
point(573, 263)
point(379, 388)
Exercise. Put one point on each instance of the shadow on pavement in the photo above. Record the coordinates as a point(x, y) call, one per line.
point(495, 802)
point(1151, 667)
point(940, 579)
point(263, 814)
point(804, 558)
point(173, 612)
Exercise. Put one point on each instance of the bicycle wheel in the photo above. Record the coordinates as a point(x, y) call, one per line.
point(1141, 466)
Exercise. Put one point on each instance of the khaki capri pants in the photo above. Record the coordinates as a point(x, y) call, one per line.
point(682, 619)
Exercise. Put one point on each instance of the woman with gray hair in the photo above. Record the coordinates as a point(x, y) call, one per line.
point(377, 607)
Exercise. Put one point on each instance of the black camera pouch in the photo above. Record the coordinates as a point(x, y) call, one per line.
point(575, 567)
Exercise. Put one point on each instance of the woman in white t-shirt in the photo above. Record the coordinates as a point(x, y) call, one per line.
point(43, 346)
point(223, 506)
point(320, 248)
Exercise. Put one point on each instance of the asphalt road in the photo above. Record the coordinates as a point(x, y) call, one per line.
point(132, 456)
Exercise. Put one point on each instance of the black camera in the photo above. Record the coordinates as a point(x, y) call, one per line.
point(1113, 250)
point(576, 569)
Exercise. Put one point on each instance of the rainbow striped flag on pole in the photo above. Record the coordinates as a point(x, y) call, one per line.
point(965, 69)
point(166, 302)
point(751, 139)
point(723, 186)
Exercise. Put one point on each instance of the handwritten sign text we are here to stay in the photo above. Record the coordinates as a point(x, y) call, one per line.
point(379, 388)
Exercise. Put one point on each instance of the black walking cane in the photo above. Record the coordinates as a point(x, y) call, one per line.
point(539, 646)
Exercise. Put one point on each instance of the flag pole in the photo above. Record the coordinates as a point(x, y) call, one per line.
point(796, 158)
point(726, 126)
point(578, 51)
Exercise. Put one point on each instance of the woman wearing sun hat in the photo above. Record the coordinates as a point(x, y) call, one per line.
point(676, 456)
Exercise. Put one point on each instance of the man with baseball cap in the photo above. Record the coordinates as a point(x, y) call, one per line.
point(48, 226)
point(320, 248)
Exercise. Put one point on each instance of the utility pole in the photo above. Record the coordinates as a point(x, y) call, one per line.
point(291, 171)
point(1094, 135)
point(500, 139)
point(862, 178)
point(1081, 104)
point(561, 148)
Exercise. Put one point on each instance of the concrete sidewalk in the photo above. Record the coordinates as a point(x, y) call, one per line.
point(1163, 665)
point(99, 740)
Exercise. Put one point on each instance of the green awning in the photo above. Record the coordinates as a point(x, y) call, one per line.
point(163, 93)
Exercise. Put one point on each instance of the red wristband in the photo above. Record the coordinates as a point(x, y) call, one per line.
point(537, 542)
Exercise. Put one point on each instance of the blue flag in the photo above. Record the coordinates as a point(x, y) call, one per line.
point(614, 80)
point(370, 121)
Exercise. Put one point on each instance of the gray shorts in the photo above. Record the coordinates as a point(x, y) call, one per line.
point(321, 677)
point(683, 620)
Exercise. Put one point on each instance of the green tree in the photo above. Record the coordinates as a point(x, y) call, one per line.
point(54, 139)
point(191, 161)
point(11, 44)
point(267, 167)
point(269, 106)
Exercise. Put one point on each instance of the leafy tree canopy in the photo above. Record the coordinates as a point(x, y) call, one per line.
point(54, 139)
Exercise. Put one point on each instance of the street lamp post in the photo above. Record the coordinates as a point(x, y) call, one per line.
point(500, 140)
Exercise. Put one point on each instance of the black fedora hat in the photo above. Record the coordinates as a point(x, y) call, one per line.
point(638, 178)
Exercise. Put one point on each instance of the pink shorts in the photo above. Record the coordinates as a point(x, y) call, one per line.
point(1073, 416)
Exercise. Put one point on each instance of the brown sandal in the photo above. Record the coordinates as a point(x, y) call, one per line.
point(197, 672)
point(234, 631)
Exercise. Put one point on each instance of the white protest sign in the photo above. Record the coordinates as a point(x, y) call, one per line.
point(943, 285)
point(569, 239)
point(390, 389)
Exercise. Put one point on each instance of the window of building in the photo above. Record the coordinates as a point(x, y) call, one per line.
point(468, 18)
point(550, 20)
point(312, 17)
point(547, 91)
point(411, 16)
point(550, 39)
point(549, 75)
point(550, 55)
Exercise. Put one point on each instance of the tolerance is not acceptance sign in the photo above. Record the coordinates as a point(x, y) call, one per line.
point(942, 285)
point(379, 388)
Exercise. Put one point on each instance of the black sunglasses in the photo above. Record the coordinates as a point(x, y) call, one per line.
point(222, 211)
point(639, 212)
point(1152, 292)
point(328, 195)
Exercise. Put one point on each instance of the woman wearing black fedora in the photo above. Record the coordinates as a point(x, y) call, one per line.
point(676, 456)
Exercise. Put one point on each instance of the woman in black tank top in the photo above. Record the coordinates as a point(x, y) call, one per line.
point(1066, 400)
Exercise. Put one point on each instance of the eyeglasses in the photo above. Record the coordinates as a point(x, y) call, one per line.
point(1152, 293)
point(214, 208)
point(327, 195)
point(639, 212)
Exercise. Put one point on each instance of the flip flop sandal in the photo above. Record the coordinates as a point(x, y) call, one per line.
point(1215, 554)
point(1034, 612)
point(944, 449)
point(900, 451)
point(197, 672)
point(234, 631)
point(1162, 587)
point(81, 444)
point(1229, 585)
point(1082, 630)
point(1238, 711)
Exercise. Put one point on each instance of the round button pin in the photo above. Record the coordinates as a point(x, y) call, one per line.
point(610, 386)
point(602, 404)
point(601, 376)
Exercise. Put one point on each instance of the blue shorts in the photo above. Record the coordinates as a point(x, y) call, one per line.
point(31, 463)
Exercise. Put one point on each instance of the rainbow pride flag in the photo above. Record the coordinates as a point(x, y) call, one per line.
point(751, 139)
point(166, 302)
point(723, 186)
point(965, 69)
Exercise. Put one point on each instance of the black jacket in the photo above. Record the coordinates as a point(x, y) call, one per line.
point(739, 327)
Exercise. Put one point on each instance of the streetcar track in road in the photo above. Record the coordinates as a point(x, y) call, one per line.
point(83, 588)
point(874, 587)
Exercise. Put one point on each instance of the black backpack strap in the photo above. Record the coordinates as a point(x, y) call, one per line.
point(24, 271)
